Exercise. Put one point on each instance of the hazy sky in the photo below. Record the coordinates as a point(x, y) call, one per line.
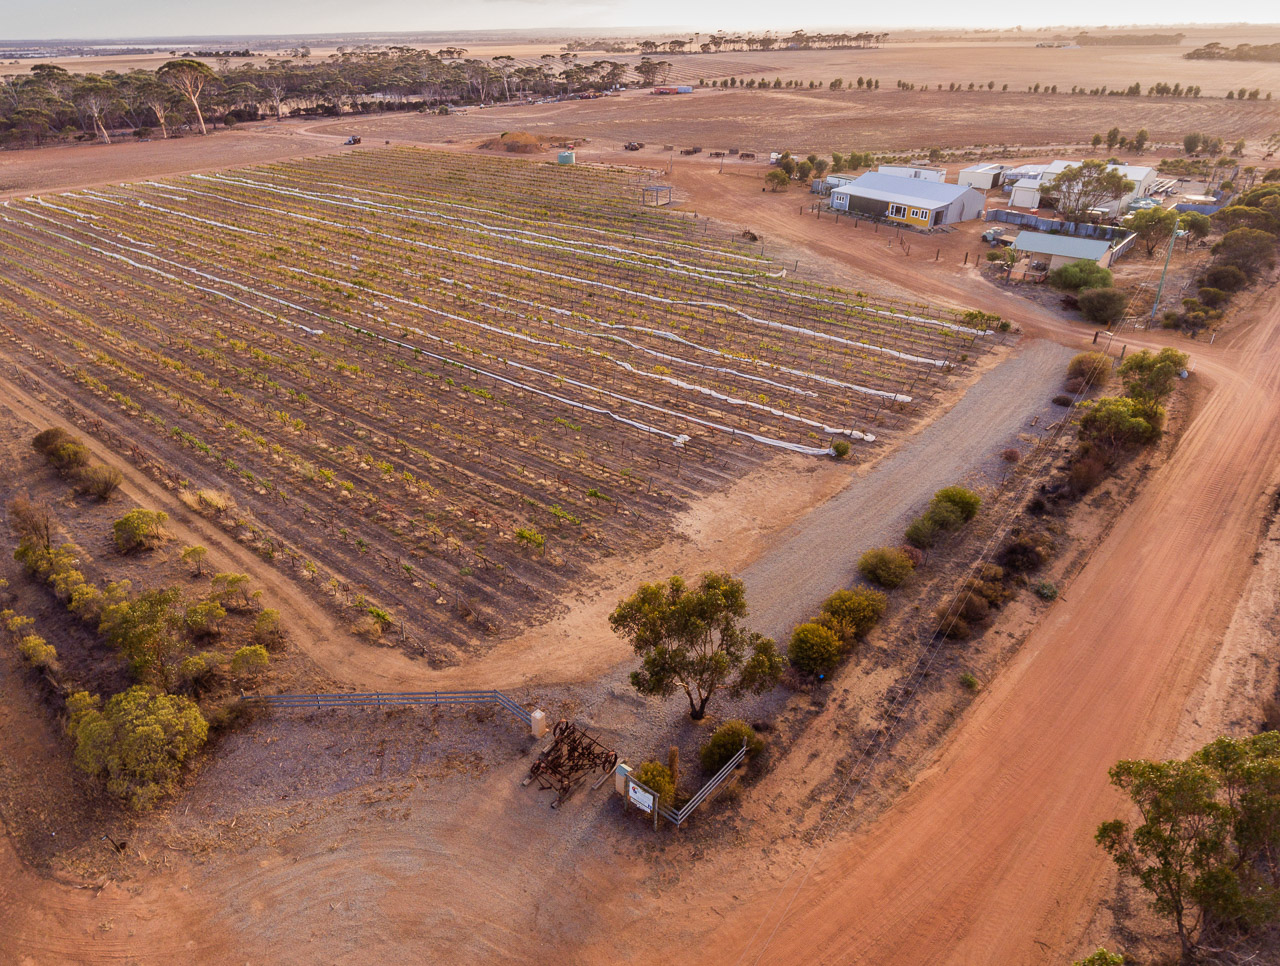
point(102, 19)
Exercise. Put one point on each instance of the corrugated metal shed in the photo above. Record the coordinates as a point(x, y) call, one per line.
point(1064, 246)
point(910, 191)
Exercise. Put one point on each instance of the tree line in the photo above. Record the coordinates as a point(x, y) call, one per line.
point(187, 95)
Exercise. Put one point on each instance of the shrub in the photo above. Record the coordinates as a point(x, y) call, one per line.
point(48, 440)
point(945, 516)
point(201, 618)
point(951, 625)
point(138, 742)
point(99, 481)
point(231, 590)
point(1093, 367)
point(1214, 298)
point(1150, 375)
point(1118, 422)
point(1010, 455)
point(850, 614)
point(1025, 553)
point(914, 555)
point(1080, 275)
point(814, 649)
point(531, 538)
point(725, 742)
point(1062, 400)
point(921, 532)
point(267, 629)
point(1087, 471)
point(963, 499)
point(840, 448)
point(70, 456)
point(657, 776)
point(1227, 278)
point(1045, 590)
point(1103, 305)
point(250, 659)
point(970, 681)
point(31, 521)
point(38, 652)
point(140, 530)
point(886, 566)
point(1075, 386)
point(195, 556)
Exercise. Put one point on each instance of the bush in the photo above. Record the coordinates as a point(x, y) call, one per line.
point(70, 456)
point(138, 742)
point(840, 449)
point(195, 556)
point(1075, 385)
point(921, 532)
point(250, 659)
point(1118, 422)
point(1080, 275)
point(46, 441)
point(913, 555)
point(1087, 471)
point(1103, 305)
point(1045, 590)
point(951, 625)
point(140, 530)
point(850, 614)
point(1062, 400)
point(657, 776)
point(886, 566)
point(1227, 278)
point(1010, 455)
point(99, 481)
point(201, 618)
point(267, 629)
point(1214, 298)
point(1026, 553)
point(814, 649)
point(970, 682)
point(725, 742)
point(1093, 367)
point(38, 653)
point(964, 500)
point(945, 516)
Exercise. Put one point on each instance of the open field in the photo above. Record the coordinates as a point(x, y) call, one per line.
point(463, 397)
point(825, 121)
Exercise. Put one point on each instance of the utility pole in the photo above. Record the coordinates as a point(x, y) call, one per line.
point(1168, 255)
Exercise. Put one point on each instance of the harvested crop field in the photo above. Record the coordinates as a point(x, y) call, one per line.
point(457, 380)
point(826, 121)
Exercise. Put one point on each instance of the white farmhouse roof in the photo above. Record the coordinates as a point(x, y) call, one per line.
point(1134, 172)
point(985, 168)
point(907, 191)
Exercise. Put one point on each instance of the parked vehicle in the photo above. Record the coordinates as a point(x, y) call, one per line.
point(354, 139)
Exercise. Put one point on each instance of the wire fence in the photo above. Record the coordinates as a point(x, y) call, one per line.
point(388, 699)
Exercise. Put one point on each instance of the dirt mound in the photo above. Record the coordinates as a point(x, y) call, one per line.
point(515, 142)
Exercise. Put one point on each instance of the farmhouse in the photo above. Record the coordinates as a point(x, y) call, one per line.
point(1060, 250)
point(910, 201)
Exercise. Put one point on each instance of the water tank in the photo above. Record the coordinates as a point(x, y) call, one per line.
point(566, 157)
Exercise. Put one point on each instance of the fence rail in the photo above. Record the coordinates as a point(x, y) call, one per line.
point(679, 816)
point(387, 699)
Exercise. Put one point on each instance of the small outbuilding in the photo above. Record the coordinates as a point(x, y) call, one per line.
point(984, 177)
point(1060, 250)
point(908, 201)
point(1025, 194)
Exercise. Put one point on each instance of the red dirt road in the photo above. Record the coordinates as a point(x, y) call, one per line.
point(989, 857)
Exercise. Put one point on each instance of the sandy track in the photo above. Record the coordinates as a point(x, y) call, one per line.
point(989, 858)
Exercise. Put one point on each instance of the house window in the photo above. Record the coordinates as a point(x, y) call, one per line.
point(897, 211)
point(917, 214)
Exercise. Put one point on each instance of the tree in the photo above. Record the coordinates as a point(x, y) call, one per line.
point(189, 78)
point(1153, 226)
point(1248, 249)
point(1113, 138)
point(1196, 225)
point(140, 530)
point(777, 180)
point(1206, 838)
point(691, 639)
point(1083, 186)
point(1149, 376)
point(149, 632)
point(138, 742)
point(96, 97)
point(1140, 140)
point(1080, 275)
point(1102, 305)
point(1191, 143)
point(1100, 957)
point(850, 614)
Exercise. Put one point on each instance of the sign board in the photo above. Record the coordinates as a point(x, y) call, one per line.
point(639, 797)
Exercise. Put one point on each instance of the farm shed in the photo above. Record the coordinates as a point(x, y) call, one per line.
point(1025, 194)
point(1143, 179)
point(1060, 250)
point(923, 172)
point(981, 176)
point(910, 201)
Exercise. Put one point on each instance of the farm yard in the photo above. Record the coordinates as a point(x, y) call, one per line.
point(455, 379)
